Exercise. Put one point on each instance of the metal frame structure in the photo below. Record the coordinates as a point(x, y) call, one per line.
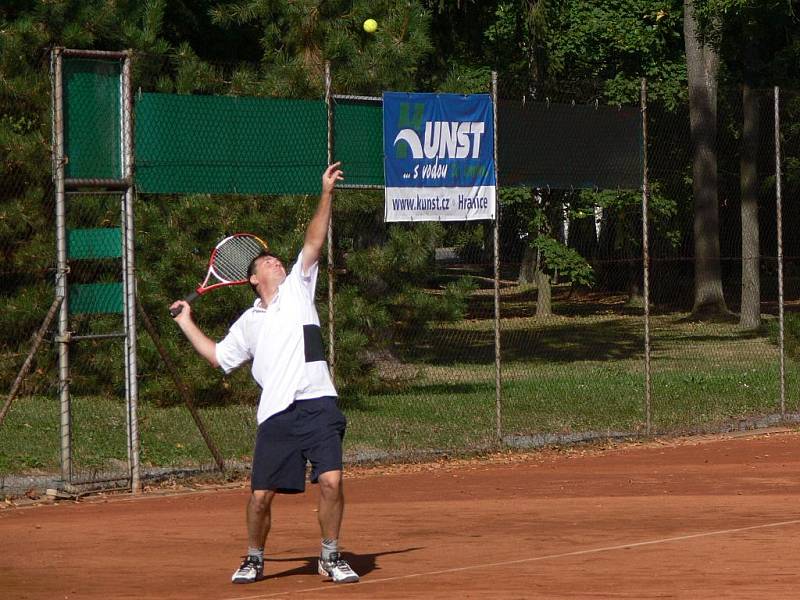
point(123, 186)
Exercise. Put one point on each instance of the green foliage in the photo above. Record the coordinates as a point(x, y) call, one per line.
point(556, 258)
point(518, 212)
point(406, 254)
point(618, 43)
point(388, 293)
point(465, 80)
point(791, 334)
point(469, 242)
point(298, 37)
point(456, 293)
point(552, 48)
point(416, 308)
point(358, 323)
point(626, 205)
point(192, 75)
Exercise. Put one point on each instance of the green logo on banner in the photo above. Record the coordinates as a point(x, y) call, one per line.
point(406, 120)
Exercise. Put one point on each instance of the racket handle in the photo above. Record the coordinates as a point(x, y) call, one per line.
point(174, 312)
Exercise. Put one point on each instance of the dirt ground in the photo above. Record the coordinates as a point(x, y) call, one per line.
point(701, 517)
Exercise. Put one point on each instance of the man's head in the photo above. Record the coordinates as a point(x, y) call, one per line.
point(266, 269)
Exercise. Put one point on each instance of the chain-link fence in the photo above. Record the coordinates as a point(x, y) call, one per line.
point(436, 348)
point(715, 287)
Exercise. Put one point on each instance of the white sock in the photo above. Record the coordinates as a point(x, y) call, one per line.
point(329, 546)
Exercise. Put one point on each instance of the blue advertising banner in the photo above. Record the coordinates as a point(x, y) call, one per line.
point(438, 157)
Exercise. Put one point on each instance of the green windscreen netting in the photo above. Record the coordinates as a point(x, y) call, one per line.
point(247, 145)
point(358, 141)
point(92, 119)
point(229, 145)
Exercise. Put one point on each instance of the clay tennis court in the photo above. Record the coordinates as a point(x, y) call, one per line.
point(692, 518)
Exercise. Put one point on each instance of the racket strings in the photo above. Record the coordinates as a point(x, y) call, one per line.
point(233, 257)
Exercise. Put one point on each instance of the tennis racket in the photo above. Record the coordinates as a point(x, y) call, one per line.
point(227, 265)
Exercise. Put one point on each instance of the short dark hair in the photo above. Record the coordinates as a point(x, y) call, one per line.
point(251, 268)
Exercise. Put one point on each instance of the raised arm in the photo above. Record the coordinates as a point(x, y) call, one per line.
point(318, 228)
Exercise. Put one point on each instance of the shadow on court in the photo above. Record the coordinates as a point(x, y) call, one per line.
point(363, 564)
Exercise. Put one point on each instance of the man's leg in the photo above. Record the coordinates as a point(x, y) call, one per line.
point(331, 509)
point(331, 504)
point(259, 517)
point(258, 524)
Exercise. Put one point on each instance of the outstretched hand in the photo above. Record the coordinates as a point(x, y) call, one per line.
point(331, 175)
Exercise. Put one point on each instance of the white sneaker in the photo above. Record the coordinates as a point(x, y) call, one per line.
point(337, 569)
point(251, 570)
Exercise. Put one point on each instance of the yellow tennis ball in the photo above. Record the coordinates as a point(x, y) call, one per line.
point(370, 25)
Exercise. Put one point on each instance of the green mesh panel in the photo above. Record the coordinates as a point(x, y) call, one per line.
point(227, 145)
point(94, 243)
point(92, 298)
point(92, 118)
point(358, 141)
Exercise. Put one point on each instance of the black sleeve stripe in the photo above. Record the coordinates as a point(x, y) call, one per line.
point(312, 337)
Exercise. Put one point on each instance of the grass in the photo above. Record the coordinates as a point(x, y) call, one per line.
point(578, 372)
point(30, 435)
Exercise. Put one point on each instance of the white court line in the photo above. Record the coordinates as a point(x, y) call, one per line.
point(679, 538)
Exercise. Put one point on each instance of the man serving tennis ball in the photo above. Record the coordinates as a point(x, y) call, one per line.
point(298, 420)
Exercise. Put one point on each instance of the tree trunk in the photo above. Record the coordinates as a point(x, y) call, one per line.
point(750, 317)
point(635, 292)
point(702, 66)
point(527, 269)
point(544, 307)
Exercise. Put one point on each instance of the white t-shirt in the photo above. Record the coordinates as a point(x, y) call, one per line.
point(285, 344)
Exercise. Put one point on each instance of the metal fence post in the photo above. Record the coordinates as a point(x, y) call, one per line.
point(497, 365)
point(779, 225)
point(331, 315)
point(129, 276)
point(62, 339)
point(646, 264)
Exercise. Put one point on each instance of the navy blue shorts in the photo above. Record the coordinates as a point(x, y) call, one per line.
point(308, 431)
